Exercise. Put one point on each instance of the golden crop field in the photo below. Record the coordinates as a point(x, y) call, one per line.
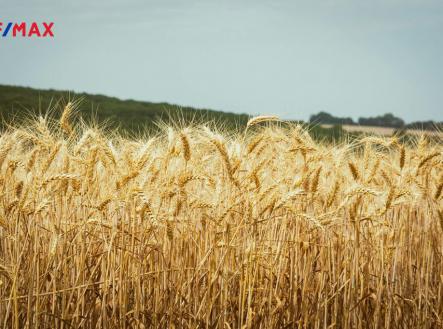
point(197, 228)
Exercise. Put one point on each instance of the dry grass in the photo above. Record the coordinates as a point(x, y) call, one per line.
point(193, 228)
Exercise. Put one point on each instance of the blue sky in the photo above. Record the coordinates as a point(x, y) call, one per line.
point(290, 58)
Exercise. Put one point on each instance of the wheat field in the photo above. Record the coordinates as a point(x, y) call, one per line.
point(199, 228)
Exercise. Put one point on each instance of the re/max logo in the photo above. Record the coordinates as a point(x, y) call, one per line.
point(29, 30)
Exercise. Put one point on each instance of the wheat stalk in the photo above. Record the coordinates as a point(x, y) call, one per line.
point(260, 119)
point(64, 119)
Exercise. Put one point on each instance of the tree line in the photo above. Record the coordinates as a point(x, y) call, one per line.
point(385, 120)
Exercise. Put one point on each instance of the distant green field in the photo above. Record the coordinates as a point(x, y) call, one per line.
point(129, 116)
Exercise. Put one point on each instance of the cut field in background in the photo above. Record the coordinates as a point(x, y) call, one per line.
point(384, 131)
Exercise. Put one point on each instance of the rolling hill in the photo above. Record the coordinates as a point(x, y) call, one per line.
point(129, 116)
point(18, 102)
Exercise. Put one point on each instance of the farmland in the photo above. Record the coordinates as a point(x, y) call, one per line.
point(383, 131)
point(197, 226)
